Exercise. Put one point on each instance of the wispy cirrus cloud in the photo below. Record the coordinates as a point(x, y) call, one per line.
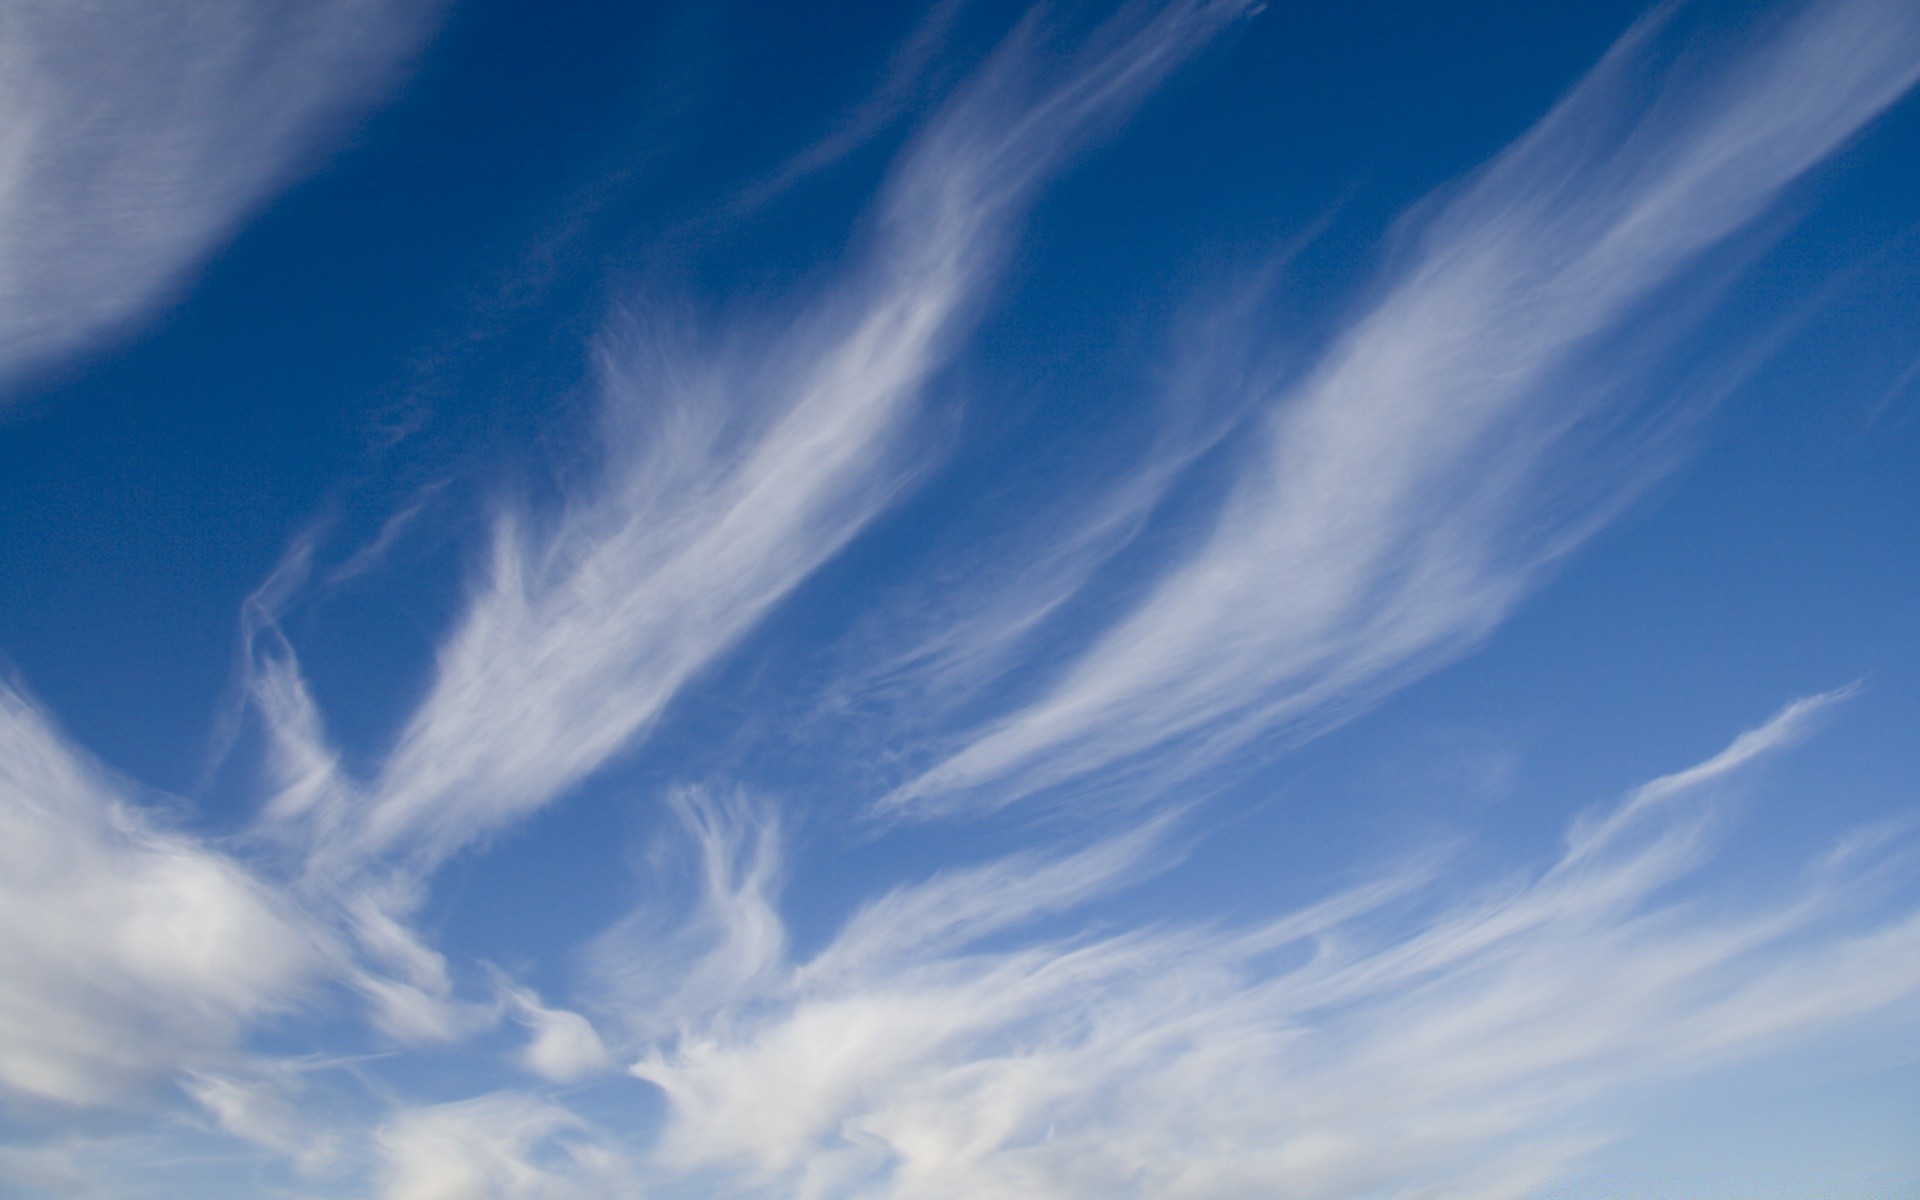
point(1411, 1033)
point(135, 135)
point(985, 1029)
point(906, 80)
point(732, 472)
point(1464, 430)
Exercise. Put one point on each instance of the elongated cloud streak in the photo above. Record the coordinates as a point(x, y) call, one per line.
point(1400, 500)
point(134, 134)
point(1000, 1022)
point(1377, 1042)
point(744, 474)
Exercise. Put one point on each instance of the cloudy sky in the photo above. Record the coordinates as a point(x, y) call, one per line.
point(1175, 599)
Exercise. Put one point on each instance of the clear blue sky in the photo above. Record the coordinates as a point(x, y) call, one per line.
point(1183, 599)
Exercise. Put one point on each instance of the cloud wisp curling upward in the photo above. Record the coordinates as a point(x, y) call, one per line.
point(934, 1021)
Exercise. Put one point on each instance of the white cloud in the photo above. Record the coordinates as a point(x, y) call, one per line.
point(504, 1146)
point(131, 951)
point(730, 476)
point(1463, 432)
point(1398, 1039)
point(261, 1103)
point(1404, 1037)
point(564, 1045)
point(134, 135)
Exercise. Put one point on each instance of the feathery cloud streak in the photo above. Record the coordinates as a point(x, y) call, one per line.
point(731, 477)
point(1398, 501)
point(1398, 1035)
point(134, 135)
point(998, 1027)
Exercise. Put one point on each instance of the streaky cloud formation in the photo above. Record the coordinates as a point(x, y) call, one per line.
point(730, 477)
point(134, 136)
point(1399, 1035)
point(1398, 501)
point(1026, 952)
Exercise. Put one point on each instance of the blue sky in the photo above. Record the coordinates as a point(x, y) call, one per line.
point(1190, 599)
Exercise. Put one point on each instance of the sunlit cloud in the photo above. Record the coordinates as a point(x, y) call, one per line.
point(562, 1046)
point(132, 951)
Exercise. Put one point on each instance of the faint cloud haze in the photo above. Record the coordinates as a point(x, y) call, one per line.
point(134, 137)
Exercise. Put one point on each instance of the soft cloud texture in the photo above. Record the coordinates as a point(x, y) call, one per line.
point(134, 135)
point(732, 474)
point(131, 951)
point(987, 1022)
point(562, 1046)
point(1400, 1035)
point(1462, 433)
point(504, 1146)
